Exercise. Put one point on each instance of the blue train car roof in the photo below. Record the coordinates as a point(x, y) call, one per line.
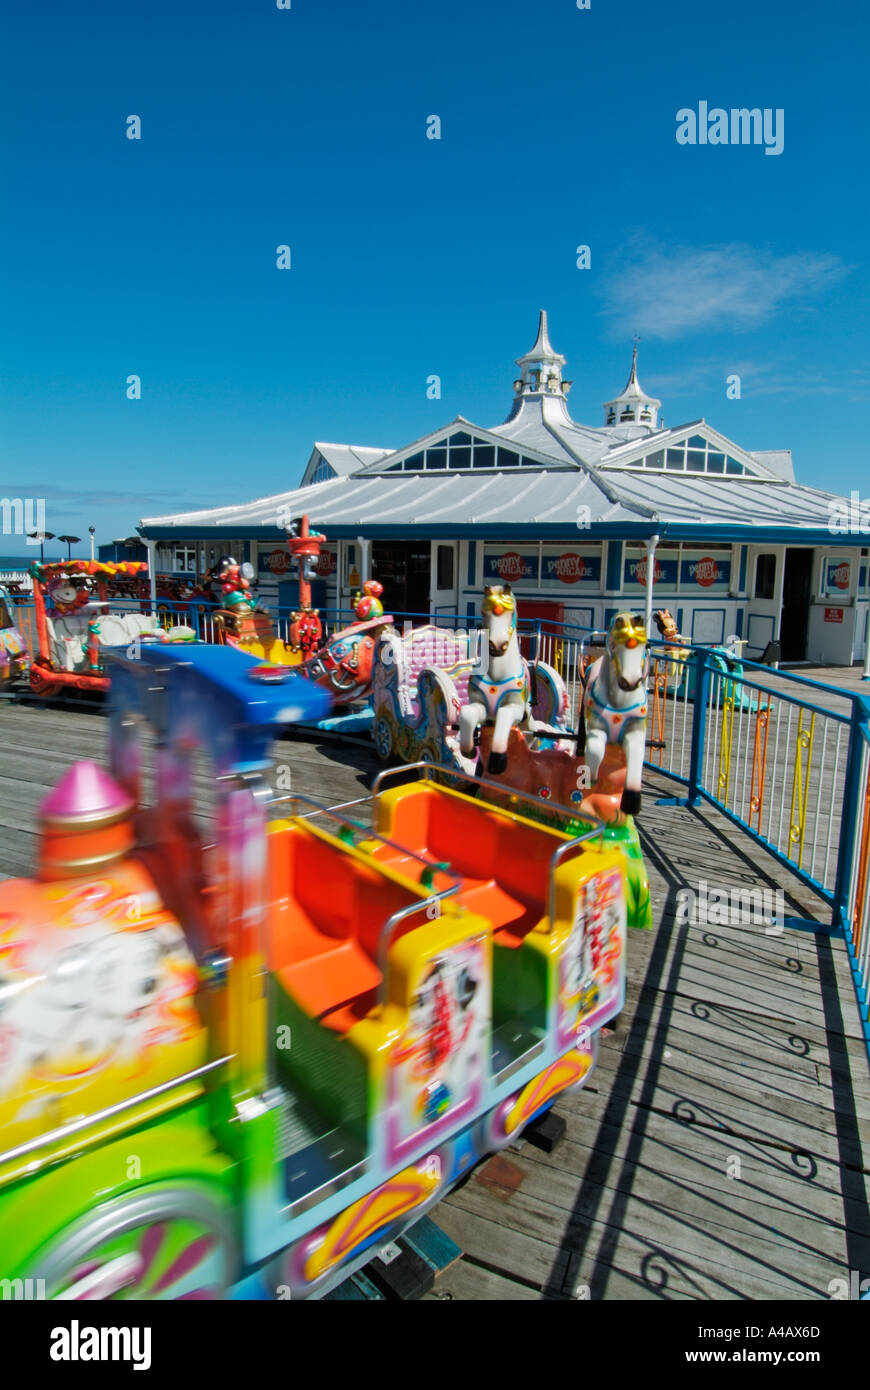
point(217, 696)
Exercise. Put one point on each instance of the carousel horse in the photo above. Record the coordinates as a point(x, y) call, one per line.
point(677, 655)
point(498, 688)
point(614, 705)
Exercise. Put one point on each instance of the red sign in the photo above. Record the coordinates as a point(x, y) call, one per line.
point(833, 615)
point(326, 564)
point(705, 572)
point(278, 561)
point(840, 576)
point(510, 565)
point(571, 568)
point(640, 572)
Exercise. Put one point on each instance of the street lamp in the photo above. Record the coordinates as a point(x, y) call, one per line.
point(70, 542)
point(91, 533)
point(42, 537)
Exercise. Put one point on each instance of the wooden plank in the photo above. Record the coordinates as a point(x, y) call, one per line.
point(733, 1258)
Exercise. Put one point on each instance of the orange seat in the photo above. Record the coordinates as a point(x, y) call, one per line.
point(328, 906)
point(503, 863)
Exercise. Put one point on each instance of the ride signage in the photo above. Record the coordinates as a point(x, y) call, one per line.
point(509, 567)
point(572, 567)
point(274, 561)
point(705, 570)
point(838, 575)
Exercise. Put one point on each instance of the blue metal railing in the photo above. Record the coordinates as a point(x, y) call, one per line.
point(784, 758)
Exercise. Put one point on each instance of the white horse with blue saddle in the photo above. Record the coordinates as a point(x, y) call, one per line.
point(615, 705)
point(499, 690)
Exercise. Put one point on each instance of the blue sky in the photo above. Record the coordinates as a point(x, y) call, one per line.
point(411, 256)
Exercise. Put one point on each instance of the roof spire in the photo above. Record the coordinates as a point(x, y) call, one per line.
point(633, 406)
point(541, 367)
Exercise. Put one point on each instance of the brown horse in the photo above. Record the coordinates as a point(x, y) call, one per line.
point(556, 775)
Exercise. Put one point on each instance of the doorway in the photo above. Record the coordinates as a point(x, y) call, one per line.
point(796, 594)
point(403, 567)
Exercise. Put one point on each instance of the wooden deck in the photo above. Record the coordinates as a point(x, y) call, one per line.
point(717, 1151)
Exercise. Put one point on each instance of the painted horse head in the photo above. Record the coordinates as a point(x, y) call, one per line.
point(627, 649)
point(499, 611)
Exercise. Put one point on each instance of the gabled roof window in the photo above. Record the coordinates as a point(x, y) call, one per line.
point(461, 452)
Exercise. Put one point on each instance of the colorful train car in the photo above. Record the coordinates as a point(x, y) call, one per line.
point(76, 626)
point(289, 1038)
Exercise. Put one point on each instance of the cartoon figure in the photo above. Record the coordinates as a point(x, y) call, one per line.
point(441, 1019)
point(68, 596)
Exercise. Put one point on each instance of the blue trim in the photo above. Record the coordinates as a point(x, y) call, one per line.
point(699, 725)
point(472, 563)
point(613, 578)
point(744, 560)
point(738, 622)
point(519, 531)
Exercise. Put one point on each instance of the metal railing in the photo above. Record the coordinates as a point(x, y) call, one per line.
point(787, 760)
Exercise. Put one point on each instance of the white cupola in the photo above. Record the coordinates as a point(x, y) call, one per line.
point(539, 390)
point(633, 406)
point(541, 367)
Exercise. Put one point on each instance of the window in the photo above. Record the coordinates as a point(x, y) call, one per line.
point(323, 472)
point(462, 453)
point(185, 559)
point(696, 455)
point(765, 576)
point(444, 567)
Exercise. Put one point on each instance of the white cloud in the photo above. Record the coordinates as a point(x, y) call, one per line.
point(667, 293)
point(776, 377)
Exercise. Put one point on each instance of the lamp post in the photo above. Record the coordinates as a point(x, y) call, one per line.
point(42, 537)
point(69, 541)
point(91, 533)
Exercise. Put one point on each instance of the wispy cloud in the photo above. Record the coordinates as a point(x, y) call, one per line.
point(777, 377)
point(666, 293)
point(79, 499)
